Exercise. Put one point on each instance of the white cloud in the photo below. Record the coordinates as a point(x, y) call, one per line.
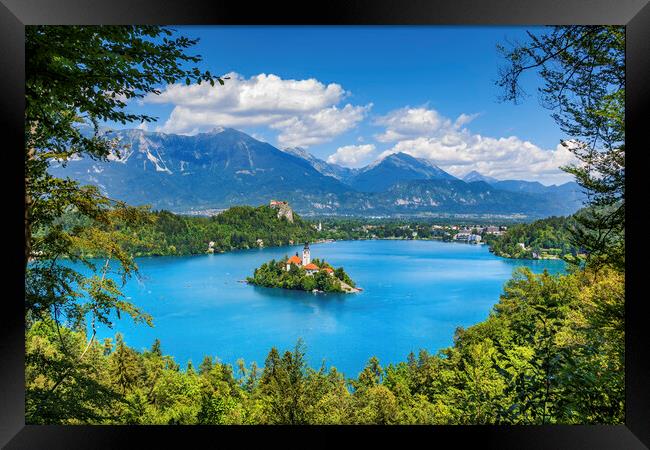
point(458, 151)
point(352, 155)
point(464, 119)
point(409, 122)
point(321, 126)
point(304, 111)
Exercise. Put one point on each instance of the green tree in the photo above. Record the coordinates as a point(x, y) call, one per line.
point(206, 365)
point(82, 395)
point(125, 365)
point(76, 78)
point(583, 73)
point(85, 75)
point(483, 388)
point(283, 383)
point(156, 348)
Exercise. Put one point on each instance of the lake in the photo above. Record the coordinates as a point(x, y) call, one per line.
point(415, 294)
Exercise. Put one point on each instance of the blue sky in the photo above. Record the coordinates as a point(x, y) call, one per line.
point(353, 94)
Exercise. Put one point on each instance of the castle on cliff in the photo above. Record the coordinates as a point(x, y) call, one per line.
point(284, 210)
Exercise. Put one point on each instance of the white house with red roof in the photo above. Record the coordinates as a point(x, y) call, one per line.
point(293, 260)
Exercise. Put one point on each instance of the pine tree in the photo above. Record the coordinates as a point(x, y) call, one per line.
point(205, 366)
point(156, 348)
point(126, 369)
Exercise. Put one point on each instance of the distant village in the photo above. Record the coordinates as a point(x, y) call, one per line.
point(474, 235)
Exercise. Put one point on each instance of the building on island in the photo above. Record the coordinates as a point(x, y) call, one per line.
point(306, 255)
point(293, 260)
point(306, 263)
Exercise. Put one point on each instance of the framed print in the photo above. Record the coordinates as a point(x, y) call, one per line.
point(411, 217)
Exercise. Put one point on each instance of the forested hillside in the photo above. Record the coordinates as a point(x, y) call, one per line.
point(239, 227)
point(544, 238)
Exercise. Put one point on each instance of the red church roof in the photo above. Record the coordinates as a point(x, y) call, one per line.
point(294, 260)
point(311, 266)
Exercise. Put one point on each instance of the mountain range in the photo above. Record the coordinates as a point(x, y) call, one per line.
point(227, 167)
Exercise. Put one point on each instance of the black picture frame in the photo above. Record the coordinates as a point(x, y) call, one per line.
point(15, 14)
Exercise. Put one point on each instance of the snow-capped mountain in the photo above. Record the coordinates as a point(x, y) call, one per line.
point(226, 167)
point(215, 169)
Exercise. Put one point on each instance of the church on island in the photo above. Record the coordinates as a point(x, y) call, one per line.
point(306, 263)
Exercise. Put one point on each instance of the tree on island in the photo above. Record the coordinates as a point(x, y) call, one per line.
point(274, 274)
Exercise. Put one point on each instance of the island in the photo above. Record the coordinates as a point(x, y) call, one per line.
point(303, 274)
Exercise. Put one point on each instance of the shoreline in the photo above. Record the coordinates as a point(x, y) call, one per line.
point(323, 241)
point(314, 291)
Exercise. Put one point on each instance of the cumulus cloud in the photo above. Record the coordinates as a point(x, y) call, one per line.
point(409, 122)
point(305, 112)
point(457, 150)
point(352, 155)
point(320, 126)
point(464, 119)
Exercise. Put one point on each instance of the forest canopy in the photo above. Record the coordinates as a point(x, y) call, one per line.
point(238, 227)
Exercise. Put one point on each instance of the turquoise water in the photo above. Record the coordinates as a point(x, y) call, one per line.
point(415, 294)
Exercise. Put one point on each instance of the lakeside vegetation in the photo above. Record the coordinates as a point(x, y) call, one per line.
point(549, 238)
point(551, 351)
point(245, 227)
point(239, 227)
point(273, 274)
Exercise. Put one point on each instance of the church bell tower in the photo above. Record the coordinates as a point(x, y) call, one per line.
point(306, 257)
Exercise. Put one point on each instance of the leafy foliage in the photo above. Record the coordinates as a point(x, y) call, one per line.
point(551, 351)
point(76, 77)
point(583, 70)
point(550, 238)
